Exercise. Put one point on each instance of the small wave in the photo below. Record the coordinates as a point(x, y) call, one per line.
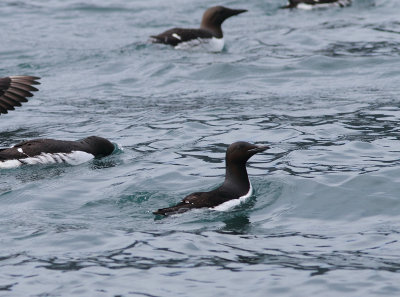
point(363, 49)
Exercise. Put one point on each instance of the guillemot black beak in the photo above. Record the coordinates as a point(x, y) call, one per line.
point(258, 149)
point(232, 12)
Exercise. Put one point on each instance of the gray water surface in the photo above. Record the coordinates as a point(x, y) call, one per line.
point(320, 87)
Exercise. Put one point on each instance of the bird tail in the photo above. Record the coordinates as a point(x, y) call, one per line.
point(155, 39)
point(180, 208)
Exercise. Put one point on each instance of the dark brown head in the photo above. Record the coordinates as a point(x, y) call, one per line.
point(241, 151)
point(99, 147)
point(215, 16)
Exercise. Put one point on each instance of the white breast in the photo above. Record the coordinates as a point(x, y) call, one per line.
point(207, 44)
point(234, 202)
point(73, 158)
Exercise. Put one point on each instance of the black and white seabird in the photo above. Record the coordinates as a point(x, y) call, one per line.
point(48, 151)
point(310, 4)
point(209, 35)
point(14, 90)
point(235, 189)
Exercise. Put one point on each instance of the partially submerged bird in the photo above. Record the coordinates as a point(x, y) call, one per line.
point(310, 4)
point(235, 189)
point(48, 151)
point(208, 36)
point(14, 90)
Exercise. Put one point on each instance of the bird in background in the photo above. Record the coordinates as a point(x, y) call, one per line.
point(209, 36)
point(13, 91)
point(311, 4)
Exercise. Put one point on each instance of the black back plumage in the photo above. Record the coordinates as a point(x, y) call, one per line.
point(236, 182)
point(177, 35)
point(14, 90)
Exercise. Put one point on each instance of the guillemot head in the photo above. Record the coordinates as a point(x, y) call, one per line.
point(215, 16)
point(241, 151)
point(99, 146)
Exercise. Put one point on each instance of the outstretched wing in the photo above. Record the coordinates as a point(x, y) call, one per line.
point(14, 90)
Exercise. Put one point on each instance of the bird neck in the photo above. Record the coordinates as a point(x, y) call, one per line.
point(236, 177)
point(214, 29)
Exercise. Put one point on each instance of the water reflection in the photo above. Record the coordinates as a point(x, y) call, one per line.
point(316, 262)
point(237, 224)
point(362, 49)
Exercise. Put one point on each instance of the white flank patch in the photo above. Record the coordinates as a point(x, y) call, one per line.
point(234, 202)
point(306, 6)
point(323, 5)
point(208, 44)
point(73, 158)
point(176, 36)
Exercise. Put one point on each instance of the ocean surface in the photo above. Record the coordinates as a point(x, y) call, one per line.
point(321, 87)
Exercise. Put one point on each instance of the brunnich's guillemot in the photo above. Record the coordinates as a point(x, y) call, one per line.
point(48, 151)
point(235, 189)
point(208, 36)
point(310, 4)
point(14, 90)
